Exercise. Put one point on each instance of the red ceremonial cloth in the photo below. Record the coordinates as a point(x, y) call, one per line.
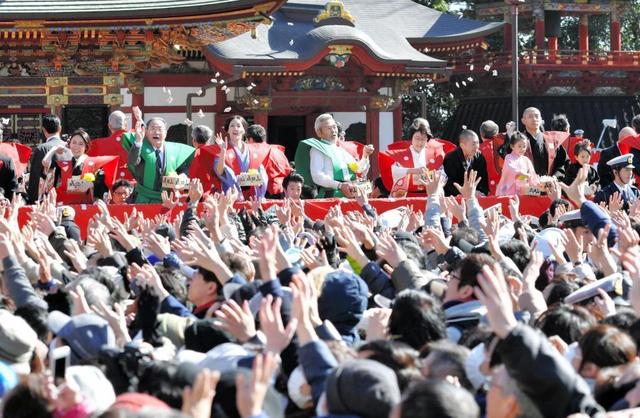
point(397, 151)
point(315, 209)
point(19, 153)
point(112, 146)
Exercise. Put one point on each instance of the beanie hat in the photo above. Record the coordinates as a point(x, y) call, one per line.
point(362, 387)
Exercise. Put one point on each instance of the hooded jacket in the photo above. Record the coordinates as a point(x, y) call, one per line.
point(343, 301)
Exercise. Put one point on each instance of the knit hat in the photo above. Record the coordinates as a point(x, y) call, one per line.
point(343, 301)
point(17, 342)
point(362, 387)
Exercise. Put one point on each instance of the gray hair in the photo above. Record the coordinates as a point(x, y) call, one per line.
point(202, 134)
point(489, 129)
point(117, 120)
point(156, 119)
point(320, 119)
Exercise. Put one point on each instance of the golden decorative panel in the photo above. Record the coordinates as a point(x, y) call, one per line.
point(57, 81)
point(57, 99)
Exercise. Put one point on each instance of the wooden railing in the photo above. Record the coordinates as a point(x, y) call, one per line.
point(626, 60)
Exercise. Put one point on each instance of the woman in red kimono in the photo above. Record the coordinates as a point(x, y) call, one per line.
point(405, 162)
point(77, 177)
point(236, 157)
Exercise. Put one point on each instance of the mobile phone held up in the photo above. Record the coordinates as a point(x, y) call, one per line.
point(59, 360)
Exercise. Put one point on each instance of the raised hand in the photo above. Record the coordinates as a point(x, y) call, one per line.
point(158, 245)
point(434, 237)
point(459, 211)
point(389, 250)
point(196, 190)
point(433, 184)
point(600, 252)
point(631, 262)
point(116, 319)
point(271, 325)
point(575, 191)
point(169, 200)
point(267, 248)
point(468, 188)
point(377, 326)
point(197, 400)
point(120, 234)
point(312, 257)
point(348, 243)
point(494, 294)
point(250, 393)
point(75, 254)
point(615, 202)
point(572, 245)
point(236, 320)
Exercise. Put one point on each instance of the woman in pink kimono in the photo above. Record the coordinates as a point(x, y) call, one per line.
point(518, 172)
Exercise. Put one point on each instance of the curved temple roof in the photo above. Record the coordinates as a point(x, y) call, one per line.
point(108, 9)
point(382, 27)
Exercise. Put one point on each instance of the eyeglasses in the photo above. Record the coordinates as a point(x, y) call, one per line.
point(122, 193)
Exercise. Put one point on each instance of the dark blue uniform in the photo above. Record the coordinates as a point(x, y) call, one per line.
point(604, 194)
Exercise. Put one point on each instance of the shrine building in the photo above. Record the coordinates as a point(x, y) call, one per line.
point(277, 63)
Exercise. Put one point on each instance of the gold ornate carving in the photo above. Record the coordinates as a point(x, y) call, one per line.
point(113, 99)
point(57, 81)
point(29, 24)
point(340, 49)
point(135, 85)
point(113, 80)
point(381, 102)
point(57, 99)
point(84, 90)
point(252, 102)
point(333, 9)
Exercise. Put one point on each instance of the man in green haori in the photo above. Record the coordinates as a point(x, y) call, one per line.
point(326, 163)
point(151, 157)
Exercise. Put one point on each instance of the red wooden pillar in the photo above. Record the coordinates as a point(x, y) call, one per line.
point(373, 137)
point(261, 118)
point(583, 33)
point(507, 33)
point(553, 47)
point(138, 100)
point(616, 38)
point(397, 123)
point(539, 29)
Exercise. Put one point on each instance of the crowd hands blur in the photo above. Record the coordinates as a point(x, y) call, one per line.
point(446, 310)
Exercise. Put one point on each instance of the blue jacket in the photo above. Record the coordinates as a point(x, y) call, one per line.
point(317, 363)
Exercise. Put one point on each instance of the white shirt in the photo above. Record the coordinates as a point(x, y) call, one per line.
point(321, 166)
point(419, 160)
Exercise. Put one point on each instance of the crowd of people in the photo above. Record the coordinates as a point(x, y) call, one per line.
point(448, 310)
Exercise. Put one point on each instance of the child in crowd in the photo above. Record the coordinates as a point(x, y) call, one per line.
point(518, 172)
point(582, 151)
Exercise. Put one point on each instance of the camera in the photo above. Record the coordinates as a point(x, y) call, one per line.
point(124, 366)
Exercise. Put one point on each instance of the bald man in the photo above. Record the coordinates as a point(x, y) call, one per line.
point(604, 171)
point(548, 156)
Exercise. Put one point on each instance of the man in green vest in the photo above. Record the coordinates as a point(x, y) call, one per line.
point(151, 157)
point(327, 164)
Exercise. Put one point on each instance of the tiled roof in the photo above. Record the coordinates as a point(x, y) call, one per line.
point(383, 27)
point(76, 9)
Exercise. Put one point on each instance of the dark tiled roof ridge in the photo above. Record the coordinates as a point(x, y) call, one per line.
point(66, 9)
